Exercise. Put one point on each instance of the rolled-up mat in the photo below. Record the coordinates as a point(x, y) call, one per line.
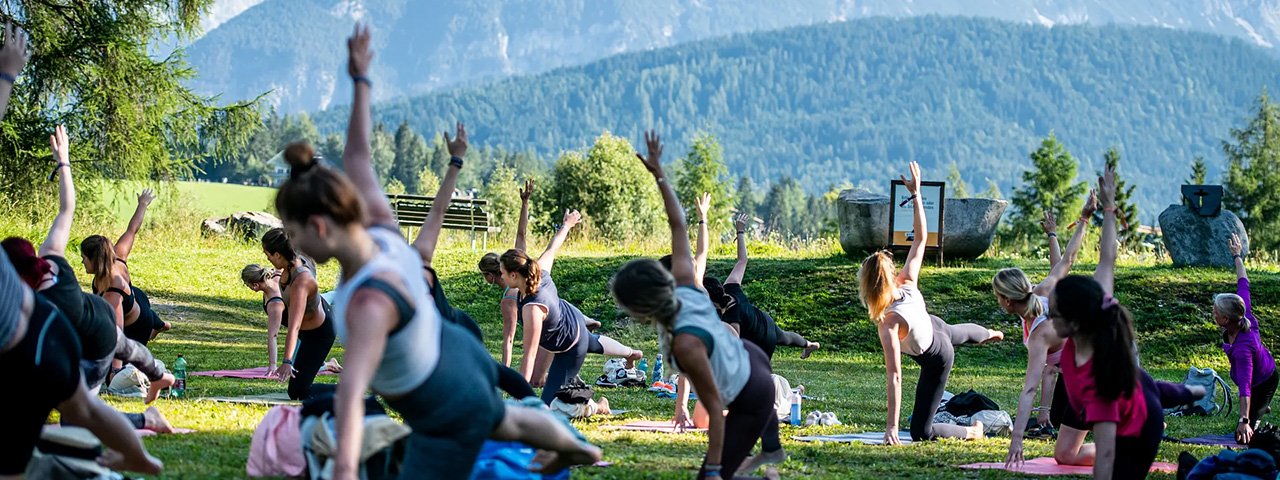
point(1228, 441)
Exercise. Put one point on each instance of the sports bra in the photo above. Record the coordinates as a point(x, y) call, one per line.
point(127, 298)
point(308, 266)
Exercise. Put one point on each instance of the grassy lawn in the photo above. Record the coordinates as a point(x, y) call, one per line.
point(219, 324)
point(207, 198)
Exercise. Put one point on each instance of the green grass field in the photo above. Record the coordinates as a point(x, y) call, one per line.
point(212, 199)
point(219, 324)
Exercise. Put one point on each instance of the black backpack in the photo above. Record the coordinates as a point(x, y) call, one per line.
point(575, 392)
point(969, 403)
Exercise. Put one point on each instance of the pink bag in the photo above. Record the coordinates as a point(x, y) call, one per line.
point(276, 448)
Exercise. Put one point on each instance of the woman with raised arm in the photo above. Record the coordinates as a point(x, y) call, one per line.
point(905, 327)
point(309, 336)
point(434, 373)
point(51, 276)
point(509, 380)
point(1017, 296)
point(1253, 369)
point(110, 269)
point(492, 273)
point(554, 327)
point(42, 353)
point(726, 372)
point(1118, 400)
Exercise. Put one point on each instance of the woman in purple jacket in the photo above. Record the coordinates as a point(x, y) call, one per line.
point(1252, 368)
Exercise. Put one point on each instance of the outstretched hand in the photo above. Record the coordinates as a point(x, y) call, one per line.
point(703, 203)
point(358, 54)
point(14, 53)
point(653, 162)
point(457, 145)
point(527, 191)
point(741, 221)
point(1090, 205)
point(146, 197)
point(572, 218)
point(1107, 188)
point(1049, 223)
point(1237, 247)
point(913, 186)
point(60, 146)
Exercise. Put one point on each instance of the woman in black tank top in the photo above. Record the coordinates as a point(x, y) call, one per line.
point(310, 334)
point(110, 269)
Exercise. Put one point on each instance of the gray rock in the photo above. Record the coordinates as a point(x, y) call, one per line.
point(969, 224)
point(1193, 240)
point(248, 225)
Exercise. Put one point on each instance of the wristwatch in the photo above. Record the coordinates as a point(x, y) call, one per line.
point(1244, 420)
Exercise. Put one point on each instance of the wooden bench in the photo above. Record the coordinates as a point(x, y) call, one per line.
point(469, 214)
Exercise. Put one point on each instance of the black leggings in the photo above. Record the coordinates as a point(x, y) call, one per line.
point(935, 368)
point(46, 363)
point(1261, 396)
point(313, 350)
point(790, 339)
point(751, 416)
point(566, 365)
point(1134, 455)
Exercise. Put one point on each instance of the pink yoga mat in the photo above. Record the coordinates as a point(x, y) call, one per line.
point(176, 431)
point(662, 426)
point(1049, 466)
point(252, 373)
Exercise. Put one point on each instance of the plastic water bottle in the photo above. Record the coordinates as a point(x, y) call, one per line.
point(180, 374)
point(643, 366)
point(795, 408)
point(657, 368)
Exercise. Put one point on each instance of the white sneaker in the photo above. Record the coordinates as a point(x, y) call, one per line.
point(828, 419)
point(813, 418)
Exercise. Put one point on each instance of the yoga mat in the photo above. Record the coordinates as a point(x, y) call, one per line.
point(250, 373)
point(176, 431)
point(264, 399)
point(1049, 466)
point(661, 426)
point(614, 411)
point(867, 438)
point(1228, 441)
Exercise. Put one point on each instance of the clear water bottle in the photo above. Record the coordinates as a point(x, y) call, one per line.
point(795, 408)
point(657, 368)
point(180, 375)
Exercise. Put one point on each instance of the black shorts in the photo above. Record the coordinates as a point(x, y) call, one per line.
point(1060, 412)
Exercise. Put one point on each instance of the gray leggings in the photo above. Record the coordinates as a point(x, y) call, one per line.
point(791, 339)
point(130, 352)
point(935, 368)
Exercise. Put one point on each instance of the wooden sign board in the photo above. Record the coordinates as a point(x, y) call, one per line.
point(902, 214)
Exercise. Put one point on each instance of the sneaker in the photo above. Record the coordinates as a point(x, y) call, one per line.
point(813, 418)
point(604, 381)
point(1042, 432)
point(828, 419)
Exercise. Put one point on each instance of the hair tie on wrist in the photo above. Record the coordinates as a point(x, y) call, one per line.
point(362, 79)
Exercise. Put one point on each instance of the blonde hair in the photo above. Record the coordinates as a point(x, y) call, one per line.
point(876, 284)
point(254, 273)
point(1012, 283)
point(1231, 306)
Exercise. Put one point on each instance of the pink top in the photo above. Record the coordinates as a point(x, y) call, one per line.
point(1128, 412)
point(1028, 328)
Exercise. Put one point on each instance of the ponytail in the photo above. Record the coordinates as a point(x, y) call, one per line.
point(517, 261)
point(1012, 283)
point(1107, 326)
point(719, 297)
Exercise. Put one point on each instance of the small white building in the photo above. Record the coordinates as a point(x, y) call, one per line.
point(277, 169)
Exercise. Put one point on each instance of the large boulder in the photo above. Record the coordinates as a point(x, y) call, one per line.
point(969, 224)
point(248, 225)
point(1198, 241)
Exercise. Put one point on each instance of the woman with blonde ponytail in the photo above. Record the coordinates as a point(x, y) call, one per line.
point(1016, 295)
point(905, 326)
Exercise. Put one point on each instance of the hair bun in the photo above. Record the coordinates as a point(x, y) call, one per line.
point(300, 157)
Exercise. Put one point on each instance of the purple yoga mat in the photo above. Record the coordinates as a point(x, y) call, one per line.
point(253, 373)
point(1049, 466)
point(1228, 440)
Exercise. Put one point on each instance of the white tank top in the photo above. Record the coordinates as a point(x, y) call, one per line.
point(1053, 357)
point(728, 356)
point(910, 306)
point(412, 353)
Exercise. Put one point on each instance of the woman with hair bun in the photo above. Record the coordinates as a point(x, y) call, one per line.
point(310, 335)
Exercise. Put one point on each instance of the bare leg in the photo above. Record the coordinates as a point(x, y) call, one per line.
point(945, 430)
point(1070, 448)
point(153, 391)
point(126, 450)
point(541, 431)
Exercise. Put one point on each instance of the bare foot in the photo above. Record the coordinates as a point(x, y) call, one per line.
point(602, 407)
point(810, 348)
point(155, 333)
point(552, 462)
point(771, 473)
point(332, 366)
point(115, 460)
point(154, 392)
point(635, 356)
point(153, 420)
point(593, 324)
point(751, 464)
point(993, 336)
point(976, 432)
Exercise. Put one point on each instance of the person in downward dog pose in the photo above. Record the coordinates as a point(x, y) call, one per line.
point(110, 269)
point(267, 282)
point(434, 373)
point(51, 276)
point(509, 380)
point(726, 371)
point(1106, 389)
point(310, 334)
point(555, 331)
point(905, 326)
point(1253, 369)
point(1017, 296)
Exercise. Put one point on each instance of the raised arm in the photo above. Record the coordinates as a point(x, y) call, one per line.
point(522, 227)
point(1050, 226)
point(1063, 266)
point(60, 231)
point(1237, 252)
point(124, 245)
point(357, 155)
point(915, 257)
point(12, 57)
point(429, 235)
point(700, 254)
point(1106, 272)
point(681, 258)
point(740, 225)
point(548, 257)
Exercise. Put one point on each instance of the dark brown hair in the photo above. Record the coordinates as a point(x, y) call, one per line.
point(489, 264)
point(1108, 325)
point(102, 256)
point(314, 189)
point(517, 261)
point(276, 241)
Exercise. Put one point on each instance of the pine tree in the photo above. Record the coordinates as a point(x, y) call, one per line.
point(1050, 185)
point(1253, 174)
point(410, 159)
point(993, 191)
point(956, 188)
point(747, 198)
point(1199, 172)
point(703, 170)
